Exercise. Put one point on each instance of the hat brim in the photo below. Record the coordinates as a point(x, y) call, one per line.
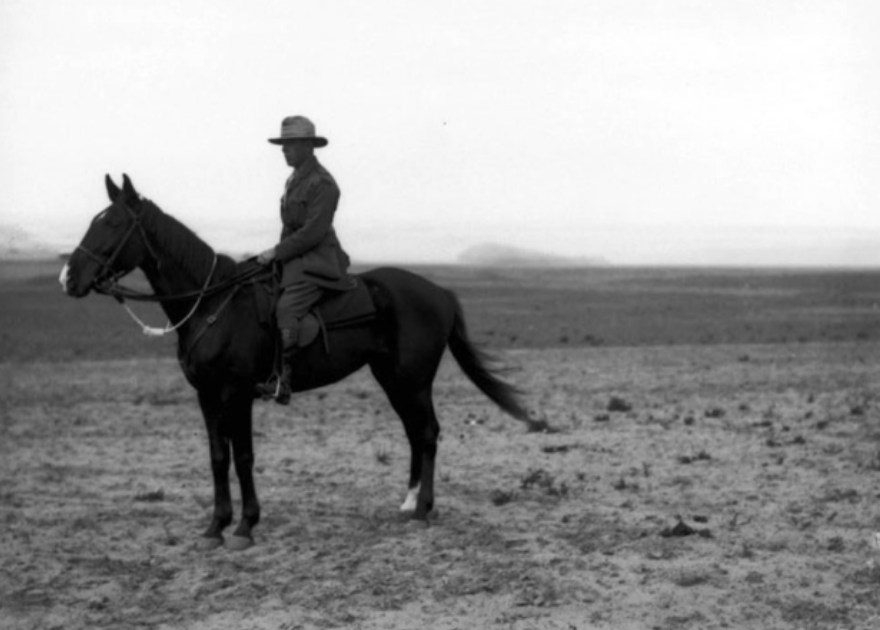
point(316, 141)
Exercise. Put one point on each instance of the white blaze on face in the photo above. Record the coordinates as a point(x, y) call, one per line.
point(409, 505)
point(64, 277)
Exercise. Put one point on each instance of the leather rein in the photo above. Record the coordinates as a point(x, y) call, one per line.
point(107, 282)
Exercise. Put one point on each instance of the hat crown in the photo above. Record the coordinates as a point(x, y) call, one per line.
point(298, 128)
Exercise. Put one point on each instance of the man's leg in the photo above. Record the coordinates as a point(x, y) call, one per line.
point(293, 305)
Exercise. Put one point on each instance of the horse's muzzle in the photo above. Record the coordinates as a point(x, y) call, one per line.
point(64, 279)
point(69, 284)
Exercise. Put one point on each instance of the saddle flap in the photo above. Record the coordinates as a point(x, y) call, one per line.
point(338, 307)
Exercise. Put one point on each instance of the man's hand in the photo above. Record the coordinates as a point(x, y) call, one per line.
point(266, 257)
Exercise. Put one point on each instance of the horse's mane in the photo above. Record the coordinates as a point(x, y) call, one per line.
point(181, 245)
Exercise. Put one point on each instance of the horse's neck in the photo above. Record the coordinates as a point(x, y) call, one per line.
point(165, 282)
point(179, 263)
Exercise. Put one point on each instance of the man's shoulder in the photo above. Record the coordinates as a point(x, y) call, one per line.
point(320, 179)
point(321, 176)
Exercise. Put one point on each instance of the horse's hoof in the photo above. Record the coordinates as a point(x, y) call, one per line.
point(209, 543)
point(417, 524)
point(422, 516)
point(239, 543)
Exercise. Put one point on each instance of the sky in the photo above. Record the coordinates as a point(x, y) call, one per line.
point(682, 132)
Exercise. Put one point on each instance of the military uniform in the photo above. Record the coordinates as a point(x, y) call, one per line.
point(309, 248)
point(310, 253)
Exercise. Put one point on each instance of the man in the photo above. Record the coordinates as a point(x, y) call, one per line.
point(310, 254)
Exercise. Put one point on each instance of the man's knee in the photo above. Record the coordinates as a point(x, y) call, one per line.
point(295, 303)
point(286, 318)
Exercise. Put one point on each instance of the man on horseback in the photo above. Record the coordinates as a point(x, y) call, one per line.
point(310, 255)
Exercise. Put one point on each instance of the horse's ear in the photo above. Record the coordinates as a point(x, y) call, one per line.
point(128, 188)
point(112, 189)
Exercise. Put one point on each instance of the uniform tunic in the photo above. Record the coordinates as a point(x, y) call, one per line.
point(309, 249)
point(311, 255)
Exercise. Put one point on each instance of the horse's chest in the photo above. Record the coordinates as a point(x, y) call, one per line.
point(204, 371)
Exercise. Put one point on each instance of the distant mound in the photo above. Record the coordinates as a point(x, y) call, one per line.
point(495, 255)
point(17, 244)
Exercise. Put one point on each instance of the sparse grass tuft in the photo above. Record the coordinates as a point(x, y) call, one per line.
point(617, 403)
point(383, 456)
point(543, 481)
point(501, 497)
point(151, 497)
point(540, 425)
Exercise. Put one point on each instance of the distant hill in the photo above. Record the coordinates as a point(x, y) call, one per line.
point(496, 255)
point(18, 244)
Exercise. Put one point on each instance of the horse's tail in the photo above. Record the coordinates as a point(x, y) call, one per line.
point(475, 363)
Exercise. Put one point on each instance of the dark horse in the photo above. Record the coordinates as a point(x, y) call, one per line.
point(225, 351)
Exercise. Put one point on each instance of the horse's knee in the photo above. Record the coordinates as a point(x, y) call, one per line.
point(220, 466)
point(430, 449)
point(244, 462)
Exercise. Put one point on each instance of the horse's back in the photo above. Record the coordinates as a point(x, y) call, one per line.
point(407, 288)
point(418, 313)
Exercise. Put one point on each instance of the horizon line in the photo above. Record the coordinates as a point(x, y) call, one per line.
point(526, 266)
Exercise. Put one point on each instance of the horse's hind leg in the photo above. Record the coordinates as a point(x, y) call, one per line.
point(416, 410)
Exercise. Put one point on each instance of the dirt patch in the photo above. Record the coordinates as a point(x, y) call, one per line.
point(766, 471)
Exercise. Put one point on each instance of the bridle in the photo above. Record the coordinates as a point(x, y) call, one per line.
point(107, 279)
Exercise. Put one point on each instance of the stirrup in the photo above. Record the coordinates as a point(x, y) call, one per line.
point(282, 395)
point(270, 388)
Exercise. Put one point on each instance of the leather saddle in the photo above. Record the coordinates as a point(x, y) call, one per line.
point(336, 309)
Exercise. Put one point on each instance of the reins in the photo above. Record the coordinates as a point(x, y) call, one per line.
point(151, 331)
point(118, 291)
point(121, 293)
point(110, 285)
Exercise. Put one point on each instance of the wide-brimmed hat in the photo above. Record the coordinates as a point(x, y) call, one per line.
point(298, 128)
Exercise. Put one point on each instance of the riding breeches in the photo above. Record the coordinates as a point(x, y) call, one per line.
point(294, 304)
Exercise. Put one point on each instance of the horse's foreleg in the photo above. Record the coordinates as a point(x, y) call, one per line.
point(218, 443)
point(240, 418)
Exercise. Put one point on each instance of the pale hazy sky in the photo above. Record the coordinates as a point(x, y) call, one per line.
point(644, 131)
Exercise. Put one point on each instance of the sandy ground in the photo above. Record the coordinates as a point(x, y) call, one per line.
point(769, 456)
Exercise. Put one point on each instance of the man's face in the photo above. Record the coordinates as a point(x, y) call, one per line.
point(296, 152)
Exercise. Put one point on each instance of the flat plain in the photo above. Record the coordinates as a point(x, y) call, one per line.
point(709, 457)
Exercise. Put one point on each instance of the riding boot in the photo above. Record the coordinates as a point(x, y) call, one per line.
point(283, 390)
point(278, 387)
point(289, 345)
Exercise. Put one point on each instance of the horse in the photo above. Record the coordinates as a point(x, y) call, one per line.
point(225, 350)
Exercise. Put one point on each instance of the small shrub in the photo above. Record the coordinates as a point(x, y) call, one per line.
point(541, 480)
point(383, 456)
point(539, 425)
point(618, 404)
point(501, 497)
point(151, 497)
